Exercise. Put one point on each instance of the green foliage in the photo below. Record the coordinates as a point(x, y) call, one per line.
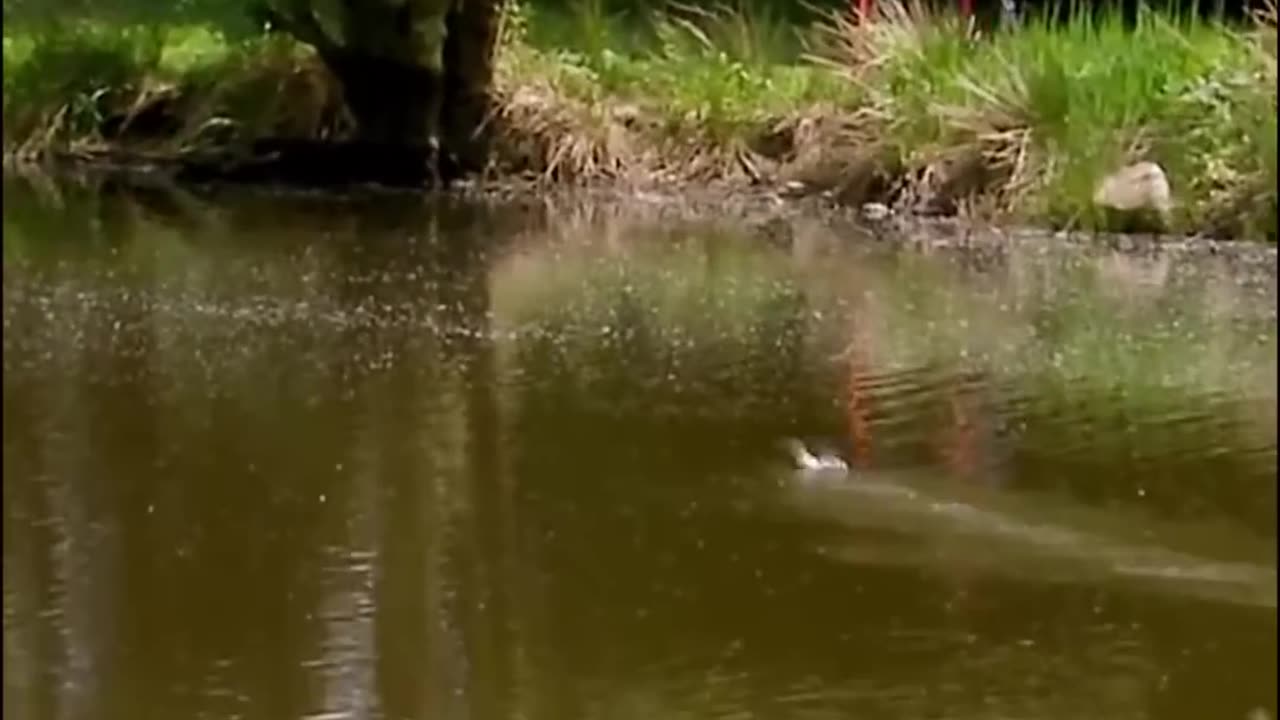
point(1196, 97)
point(717, 72)
point(63, 71)
point(62, 82)
point(228, 16)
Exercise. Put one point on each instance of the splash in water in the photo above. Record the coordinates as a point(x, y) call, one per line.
point(806, 460)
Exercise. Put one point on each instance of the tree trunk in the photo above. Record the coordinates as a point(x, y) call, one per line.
point(391, 102)
point(400, 63)
point(470, 40)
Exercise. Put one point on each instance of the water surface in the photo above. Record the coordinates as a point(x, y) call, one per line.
point(375, 456)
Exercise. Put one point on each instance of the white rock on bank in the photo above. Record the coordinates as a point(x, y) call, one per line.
point(1139, 186)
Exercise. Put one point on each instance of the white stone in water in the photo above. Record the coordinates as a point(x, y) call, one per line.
point(1139, 186)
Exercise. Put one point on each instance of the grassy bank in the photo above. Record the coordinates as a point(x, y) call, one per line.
point(912, 110)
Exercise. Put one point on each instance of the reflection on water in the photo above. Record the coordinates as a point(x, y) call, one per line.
point(382, 457)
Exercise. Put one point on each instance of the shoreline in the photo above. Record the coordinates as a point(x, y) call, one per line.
point(917, 116)
point(763, 207)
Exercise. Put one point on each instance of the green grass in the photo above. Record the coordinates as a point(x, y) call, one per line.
point(1050, 108)
point(61, 82)
point(1198, 98)
point(717, 74)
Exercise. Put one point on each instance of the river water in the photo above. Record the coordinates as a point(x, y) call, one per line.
point(374, 456)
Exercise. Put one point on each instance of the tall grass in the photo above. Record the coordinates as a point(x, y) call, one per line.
point(1071, 101)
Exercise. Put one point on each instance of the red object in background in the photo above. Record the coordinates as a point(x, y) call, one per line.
point(959, 440)
point(866, 7)
point(858, 409)
point(859, 400)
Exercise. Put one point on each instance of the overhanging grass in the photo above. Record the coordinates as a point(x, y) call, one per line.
point(1049, 108)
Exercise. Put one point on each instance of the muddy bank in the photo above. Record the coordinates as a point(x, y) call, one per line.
point(795, 163)
point(775, 215)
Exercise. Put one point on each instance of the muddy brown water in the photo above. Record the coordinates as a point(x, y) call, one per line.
point(372, 456)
